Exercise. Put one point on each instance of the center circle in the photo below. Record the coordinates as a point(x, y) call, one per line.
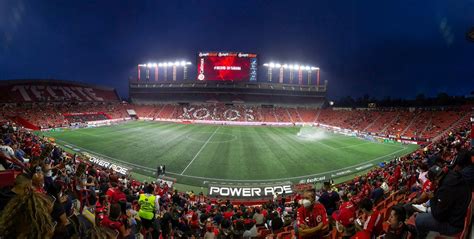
point(210, 137)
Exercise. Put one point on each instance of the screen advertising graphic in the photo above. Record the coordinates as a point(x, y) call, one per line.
point(227, 66)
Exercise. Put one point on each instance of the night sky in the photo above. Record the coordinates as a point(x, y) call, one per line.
point(383, 48)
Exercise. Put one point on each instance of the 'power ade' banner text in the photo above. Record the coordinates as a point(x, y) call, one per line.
point(107, 164)
point(249, 191)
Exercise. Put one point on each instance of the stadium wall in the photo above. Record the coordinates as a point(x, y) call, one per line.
point(234, 93)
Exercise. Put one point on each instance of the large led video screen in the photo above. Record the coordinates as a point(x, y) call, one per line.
point(227, 66)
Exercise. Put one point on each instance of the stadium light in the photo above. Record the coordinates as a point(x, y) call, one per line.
point(285, 66)
point(170, 64)
point(291, 67)
point(272, 64)
point(278, 65)
point(266, 64)
point(307, 68)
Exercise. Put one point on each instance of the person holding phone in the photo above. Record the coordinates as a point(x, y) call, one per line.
point(372, 225)
point(62, 230)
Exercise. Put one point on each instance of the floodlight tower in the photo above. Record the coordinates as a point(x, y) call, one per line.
point(281, 71)
point(317, 76)
point(148, 66)
point(291, 73)
point(138, 69)
point(166, 71)
point(308, 69)
point(300, 75)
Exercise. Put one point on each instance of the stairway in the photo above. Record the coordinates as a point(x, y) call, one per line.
point(373, 122)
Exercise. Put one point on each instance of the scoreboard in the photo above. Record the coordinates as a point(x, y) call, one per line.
point(226, 66)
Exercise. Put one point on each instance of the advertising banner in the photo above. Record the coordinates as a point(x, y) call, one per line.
point(249, 192)
point(106, 164)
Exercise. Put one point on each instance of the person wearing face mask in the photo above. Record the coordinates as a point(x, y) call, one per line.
point(311, 218)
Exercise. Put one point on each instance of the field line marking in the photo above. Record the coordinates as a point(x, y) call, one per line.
point(235, 180)
point(323, 144)
point(103, 155)
point(202, 147)
point(354, 145)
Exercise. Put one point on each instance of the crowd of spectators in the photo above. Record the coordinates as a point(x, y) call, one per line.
point(415, 124)
point(52, 115)
point(54, 189)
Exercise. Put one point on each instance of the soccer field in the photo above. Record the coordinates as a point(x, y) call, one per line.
point(198, 154)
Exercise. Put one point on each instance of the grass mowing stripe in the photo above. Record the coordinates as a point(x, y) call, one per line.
point(203, 146)
point(236, 180)
point(233, 153)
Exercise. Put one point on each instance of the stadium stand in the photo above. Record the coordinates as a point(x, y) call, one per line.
point(418, 125)
point(53, 91)
point(75, 182)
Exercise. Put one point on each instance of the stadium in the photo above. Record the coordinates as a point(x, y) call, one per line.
point(231, 144)
point(227, 138)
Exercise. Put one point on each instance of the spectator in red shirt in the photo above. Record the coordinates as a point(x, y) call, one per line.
point(115, 194)
point(428, 187)
point(113, 221)
point(311, 218)
point(372, 225)
point(345, 217)
point(110, 191)
point(229, 213)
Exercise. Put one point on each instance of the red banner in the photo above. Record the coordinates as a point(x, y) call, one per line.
point(84, 113)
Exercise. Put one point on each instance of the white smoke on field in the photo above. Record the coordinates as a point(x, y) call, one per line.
point(311, 133)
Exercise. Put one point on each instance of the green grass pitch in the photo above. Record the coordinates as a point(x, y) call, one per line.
point(198, 154)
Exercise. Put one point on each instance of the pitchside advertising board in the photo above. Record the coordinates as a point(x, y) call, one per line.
point(243, 192)
point(226, 66)
point(286, 188)
point(106, 164)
